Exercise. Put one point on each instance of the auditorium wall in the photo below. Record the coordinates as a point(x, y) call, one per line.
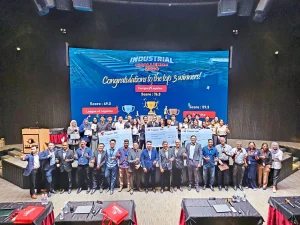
point(264, 93)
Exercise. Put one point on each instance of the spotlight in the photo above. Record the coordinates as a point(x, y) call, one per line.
point(41, 7)
point(227, 7)
point(235, 32)
point(276, 54)
point(261, 10)
point(18, 49)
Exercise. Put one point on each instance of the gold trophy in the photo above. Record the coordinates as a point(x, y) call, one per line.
point(151, 105)
point(173, 112)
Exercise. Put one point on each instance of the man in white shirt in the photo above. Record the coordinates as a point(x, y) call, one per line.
point(120, 125)
point(277, 156)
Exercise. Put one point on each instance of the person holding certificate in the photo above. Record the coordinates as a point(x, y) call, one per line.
point(135, 169)
point(225, 152)
point(149, 159)
point(73, 135)
point(85, 130)
point(166, 159)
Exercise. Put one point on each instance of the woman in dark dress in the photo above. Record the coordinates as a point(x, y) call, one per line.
point(252, 157)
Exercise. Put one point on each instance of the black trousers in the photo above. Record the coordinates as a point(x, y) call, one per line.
point(66, 180)
point(276, 173)
point(135, 138)
point(83, 176)
point(73, 147)
point(142, 144)
point(150, 174)
point(165, 179)
point(177, 177)
point(223, 174)
point(34, 181)
point(98, 178)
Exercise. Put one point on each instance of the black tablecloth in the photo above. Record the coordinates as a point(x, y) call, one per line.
point(18, 205)
point(201, 211)
point(290, 213)
point(71, 218)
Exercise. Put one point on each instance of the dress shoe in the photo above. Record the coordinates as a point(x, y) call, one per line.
point(62, 191)
point(161, 190)
point(226, 188)
point(146, 190)
point(220, 188)
point(93, 191)
point(211, 188)
point(33, 196)
point(49, 194)
point(154, 190)
point(204, 187)
point(69, 191)
point(241, 187)
point(234, 188)
point(53, 191)
point(101, 190)
point(197, 188)
point(79, 190)
point(181, 189)
point(140, 189)
point(171, 190)
point(111, 192)
point(120, 189)
point(131, 191)
point(175, 189)
point(88, 190)
point(107, 190)
point(189, 187)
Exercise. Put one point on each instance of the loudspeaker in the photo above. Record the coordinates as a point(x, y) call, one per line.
point(83, 5)
point(227, 7)
point(261, 10)
point(245, 7)
point(64, 4)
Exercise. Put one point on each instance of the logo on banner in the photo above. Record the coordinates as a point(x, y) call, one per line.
point(151, 63)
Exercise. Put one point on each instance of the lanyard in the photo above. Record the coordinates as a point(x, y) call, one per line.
point(111, 152)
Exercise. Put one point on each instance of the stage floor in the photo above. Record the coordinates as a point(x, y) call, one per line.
point(162, 206)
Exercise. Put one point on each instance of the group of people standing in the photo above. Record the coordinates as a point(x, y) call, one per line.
point(106, 162)
point(89, 131)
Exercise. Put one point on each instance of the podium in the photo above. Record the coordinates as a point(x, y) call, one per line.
point(35, 137)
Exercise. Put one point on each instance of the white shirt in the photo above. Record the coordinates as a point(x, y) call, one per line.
point(276, 154)
point(135, 130)
point(119, 126)
point(176, 151)
point(222, 130)
point(167, 154)
point(149, 152)
point(36, 162)
point(192, 150)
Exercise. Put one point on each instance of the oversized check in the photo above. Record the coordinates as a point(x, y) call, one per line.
point(118, 135)
point(158, 134)
point(202, 135)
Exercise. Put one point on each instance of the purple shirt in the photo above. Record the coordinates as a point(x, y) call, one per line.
point(123, 157)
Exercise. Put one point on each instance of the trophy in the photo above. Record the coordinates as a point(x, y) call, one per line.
point(151, 105)
point(128, 109)
point(173, 112)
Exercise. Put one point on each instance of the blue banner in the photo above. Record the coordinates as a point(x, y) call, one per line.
point(146, 83)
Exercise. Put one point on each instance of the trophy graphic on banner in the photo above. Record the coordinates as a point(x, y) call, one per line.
point(151, 105)
point(128, 109)
point(173, 112)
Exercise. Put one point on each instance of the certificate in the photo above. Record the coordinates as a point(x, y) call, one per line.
point(158, 134)
point(74, 136)
point(88, 132)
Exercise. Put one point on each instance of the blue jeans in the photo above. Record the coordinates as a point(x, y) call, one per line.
point(111, 176)
point(211, 171)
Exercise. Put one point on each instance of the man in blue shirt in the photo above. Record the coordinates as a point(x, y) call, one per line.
point(124, 164)
point(111, 166)
point(83, 156)
point(210, 156)
point(149, 158)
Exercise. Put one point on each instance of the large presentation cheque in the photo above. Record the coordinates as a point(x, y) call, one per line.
point(118, 135)
point(202, 135)
point(158, 134)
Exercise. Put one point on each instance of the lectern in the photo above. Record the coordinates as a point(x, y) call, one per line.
point(35, 137)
